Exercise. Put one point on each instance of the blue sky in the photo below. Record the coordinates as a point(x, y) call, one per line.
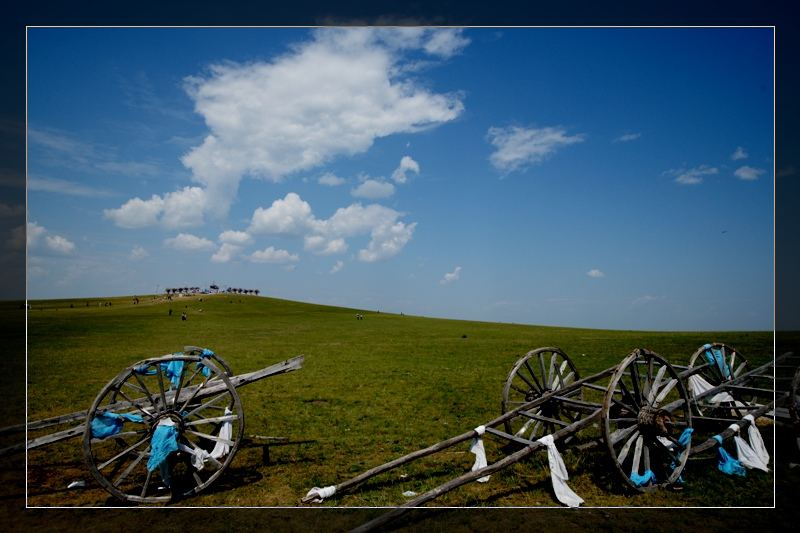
point(611, 178)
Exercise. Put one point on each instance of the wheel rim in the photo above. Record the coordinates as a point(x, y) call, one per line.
point(536, 373)
point(192, 394)
point(733, 365)
point(645, 409)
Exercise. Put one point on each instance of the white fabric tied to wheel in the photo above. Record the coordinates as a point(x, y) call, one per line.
point(698, 385)
point(752, 455)
point(321, 493)
point(202, 458)
point(480, 453)
point(558, 474)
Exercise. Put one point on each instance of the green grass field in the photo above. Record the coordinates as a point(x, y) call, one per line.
point(371, 390)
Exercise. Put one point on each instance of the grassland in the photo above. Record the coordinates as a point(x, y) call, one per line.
point(370, 391)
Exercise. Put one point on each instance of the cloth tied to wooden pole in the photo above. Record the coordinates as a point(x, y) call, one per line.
point(201, 458)
point(163, 443)
point(476, 447)
point(756, 442)
point(559, 475)
point(747, 456)
point(317, 495)
point(727, 464)
point(107, 424)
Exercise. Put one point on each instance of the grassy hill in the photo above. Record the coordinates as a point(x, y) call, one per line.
point(370, 391)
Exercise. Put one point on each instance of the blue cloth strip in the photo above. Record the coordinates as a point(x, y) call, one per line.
point(728, 464)
point(163, 443)
point(644, 479)
point(107, 424)
point(714, 357)
point(686, 437)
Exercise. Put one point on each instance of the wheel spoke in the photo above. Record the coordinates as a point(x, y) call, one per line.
point(161, 388)
point(637, 455)
point(635, 383)
point(656, 384)
point(207, 404)
point(533, 375)
point(626, 393)
point(623, 453)
point(666, 390)
point(215, 438)
point(122, 453)
point(146, 391)
point(136, 461)
point(523, 378)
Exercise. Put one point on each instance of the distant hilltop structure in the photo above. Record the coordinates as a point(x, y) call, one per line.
point(212, 289)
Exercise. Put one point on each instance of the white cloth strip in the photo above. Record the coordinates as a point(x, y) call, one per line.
point(698, 385)
point(480, 430)
point(480, 456)
point(558, 474)
point(734, 427)
point(756, 442)
point(321, 493)
point(747, 456)
point(221, 449)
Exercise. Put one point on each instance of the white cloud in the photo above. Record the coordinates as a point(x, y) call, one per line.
point(331, 180)
point(322, 246)
point(373, 190)
point(226, 252)
point(59, 244)
point(748, 173)
point(739, 153)
point(337, 267)
point(35, 231)
point(628, 137)
point(187, 242)
point(387, 241)
point(273, 255)
point(179, 209)
point(692, 176)
point(644, 299)
point(450, 277)
point(235, 237)
point(406, 165)
point(518, 148)
point(595, 273)
point(330, 96)
point(37, 234)
point(288, 216)
point(138, 253)
point(292, 216)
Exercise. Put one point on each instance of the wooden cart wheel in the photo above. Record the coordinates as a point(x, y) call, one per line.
point(198, 350)
point(534, 374)
point(188, 392)
point(728, 365)
point(645, 410)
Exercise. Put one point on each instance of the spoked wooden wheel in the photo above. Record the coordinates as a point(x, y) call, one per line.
point(724, 364)
point(645, 410)
point(536, 373)
point(182, 408)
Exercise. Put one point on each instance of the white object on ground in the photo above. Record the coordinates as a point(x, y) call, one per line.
point(321, 493)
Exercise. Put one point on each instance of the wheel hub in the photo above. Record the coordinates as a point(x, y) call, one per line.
point(657, 421)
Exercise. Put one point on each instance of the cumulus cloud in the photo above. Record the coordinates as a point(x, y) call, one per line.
point(450, 277)
point(595, 273)
point(406, 165)
point(324, 246)
point(273, 255)
point(517, 148)
point(226, 252)
point(186, 242)
point(748, 173)
point(333, 95)
point(337, 267)
point(373, 190)
point(387, 241)
point(331, 180)
point(35, 231)
point(739, 153)
point(627, 137)
point(138, 253)
point(293, 216)
point(235, 237)
point(692, 176)
point(59, 244)
point(37, 235)
point(179, 209)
